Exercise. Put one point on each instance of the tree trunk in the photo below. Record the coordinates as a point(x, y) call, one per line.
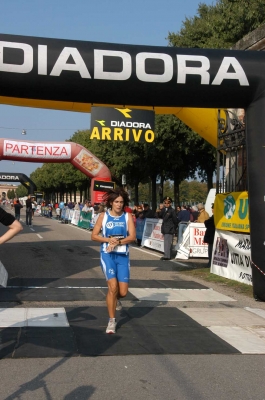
point(176, 189)
point(154, 199)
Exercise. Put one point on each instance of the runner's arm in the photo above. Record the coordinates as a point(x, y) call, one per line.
point(14, 228)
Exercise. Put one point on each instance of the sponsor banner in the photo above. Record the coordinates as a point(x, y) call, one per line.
point(70, 214)
point(99, 186)
point(152, 236)
point(75, 217)
point(231, 212)
point(122, 124)
point(110, 73)
point(84, 220)
point(196, 244)
point(36, 150)
point(192, 245)
point(231, 256)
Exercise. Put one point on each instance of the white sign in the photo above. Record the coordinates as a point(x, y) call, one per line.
point(152, 236)
point(231, 256)
point(75, 217)
point(192, 243)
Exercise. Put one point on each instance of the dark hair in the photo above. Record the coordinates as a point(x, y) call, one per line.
point(112, 194)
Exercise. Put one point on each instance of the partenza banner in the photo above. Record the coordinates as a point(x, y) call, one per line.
point(231, 256)
point(231, 212)
point(122, 124)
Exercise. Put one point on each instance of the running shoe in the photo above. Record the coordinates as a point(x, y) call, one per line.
point(111, 328)
point(118, 305)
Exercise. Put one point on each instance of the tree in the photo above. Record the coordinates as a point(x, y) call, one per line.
point(219, 26)
point(21, 191)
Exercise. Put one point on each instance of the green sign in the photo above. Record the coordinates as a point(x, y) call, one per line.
point(84, 220)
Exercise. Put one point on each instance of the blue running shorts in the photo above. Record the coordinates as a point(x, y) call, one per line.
point(115, 265)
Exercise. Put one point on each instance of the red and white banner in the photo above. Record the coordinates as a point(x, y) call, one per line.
point(152, 236)
point(192, 243)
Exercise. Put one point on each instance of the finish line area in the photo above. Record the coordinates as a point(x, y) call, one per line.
point(149, 323)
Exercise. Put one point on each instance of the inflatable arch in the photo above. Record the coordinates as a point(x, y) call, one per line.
point(18, 177)
point(56, 152)
point(74, 75)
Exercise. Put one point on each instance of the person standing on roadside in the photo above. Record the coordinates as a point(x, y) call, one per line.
point(118, 231)
point(28, 210)
point(203, 215)
point(168, 228)
point(17, 208)
point(209, 236)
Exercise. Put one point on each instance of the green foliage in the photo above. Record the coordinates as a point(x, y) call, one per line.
point(220, 25)
point(11, 194)
point(21, 191)
point(193, 192)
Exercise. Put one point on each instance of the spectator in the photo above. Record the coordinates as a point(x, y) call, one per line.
point(139, 225)
point(28, 210)
point(147, 212)
point(159, 209)
point(33, 205)
point(61, 206)
point(77, 207)
point(203, 215)
point(183, 219)
point(88, 207)
point(168, 227)
point(17, 207)
point(209, 235)
point(58, 213)
point(194, 213)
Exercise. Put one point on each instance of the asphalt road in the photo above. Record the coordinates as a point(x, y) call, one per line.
point(57, 264)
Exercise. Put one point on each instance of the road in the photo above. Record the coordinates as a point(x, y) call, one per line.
point(177, 338)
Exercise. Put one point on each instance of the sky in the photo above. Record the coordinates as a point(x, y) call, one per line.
point(141, 22)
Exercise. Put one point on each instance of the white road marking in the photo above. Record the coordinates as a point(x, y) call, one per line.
point(42, 317)
point(39, 236)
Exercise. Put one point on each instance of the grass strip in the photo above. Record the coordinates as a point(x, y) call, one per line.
point(206, 275)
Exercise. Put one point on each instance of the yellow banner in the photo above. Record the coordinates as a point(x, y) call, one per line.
point(231, 212)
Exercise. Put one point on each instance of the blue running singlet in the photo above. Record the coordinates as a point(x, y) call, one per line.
point(115, 264)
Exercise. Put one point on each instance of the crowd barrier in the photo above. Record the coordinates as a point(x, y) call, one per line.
point(79, 218)
point(231, 251)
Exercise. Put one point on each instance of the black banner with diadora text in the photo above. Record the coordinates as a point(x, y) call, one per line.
point(106, 73)
point(122, 124)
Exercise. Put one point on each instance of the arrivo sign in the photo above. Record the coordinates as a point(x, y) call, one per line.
point(122, 124)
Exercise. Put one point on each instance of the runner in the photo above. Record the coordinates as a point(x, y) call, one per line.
point(118, 231)
point(9, 221)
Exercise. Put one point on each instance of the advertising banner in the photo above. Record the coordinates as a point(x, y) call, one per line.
point(84, 220)
point(100, 187)
point(122, 124)
point(75, 217)
point(192, 243)
point(152, 236)
point(231, 212)
point(231, 256)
